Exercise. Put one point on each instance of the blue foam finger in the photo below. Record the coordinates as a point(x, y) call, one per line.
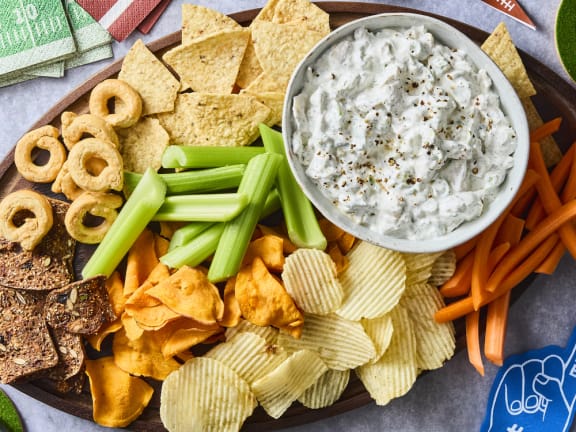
point(534, 391)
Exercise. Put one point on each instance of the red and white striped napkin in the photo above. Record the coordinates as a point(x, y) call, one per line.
point(122, 17)
point(513, 9)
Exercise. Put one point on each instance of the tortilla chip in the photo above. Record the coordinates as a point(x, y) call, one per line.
point(117, 397)
point(301, 12)
point(188, 292)
point(143, 356)
point(263, 299)
point(274, 101)
point(280, 47)
point(264, 83)
point(214, 120)
point(210, 64)
point(550, 150)
point(200, 21)
point(150, 78)
point(143, 144)
point(249, 68)
point(501, 49)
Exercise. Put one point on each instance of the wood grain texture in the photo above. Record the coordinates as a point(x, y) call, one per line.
point(555, 98)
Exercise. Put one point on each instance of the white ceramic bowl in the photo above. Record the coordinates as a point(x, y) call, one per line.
point(509, 101)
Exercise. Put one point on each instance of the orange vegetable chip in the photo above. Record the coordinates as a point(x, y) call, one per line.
point(270, 249)
point(185, 338)
point(161, 244)
point(287, 246)
point(330, 231)
point(339, 259)
point(188, 292)
point(232, 312)
point(115, 289)
point(131, 327)
point(117, 397)
point(263, 299)
point(346, 242)
point(153, 317)
point(95, 340)
point(143, 356)
point(139, 297)
point(140, 261)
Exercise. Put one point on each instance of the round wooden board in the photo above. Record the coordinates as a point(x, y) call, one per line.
point(555, 98)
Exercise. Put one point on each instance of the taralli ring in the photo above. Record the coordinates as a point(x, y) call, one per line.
point(81, 158)
point(45, 138)
point(64, 183)
point(17, 226)
point(74, 127)
point(128, 103)
point(102, 205)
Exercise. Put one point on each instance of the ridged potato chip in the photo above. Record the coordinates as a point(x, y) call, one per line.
point(310, 278)
point(394, 374)
point(249, 355)
point(419, 266)
point(205, 395)
point(279, 388)
point(435, 341)
point(341, 343)
point(443, 268)
point(326, 390)
point(373, 282)
point(380, 331)
point(270, 334)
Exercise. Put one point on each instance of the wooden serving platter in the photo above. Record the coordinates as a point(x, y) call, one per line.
point(555, 98)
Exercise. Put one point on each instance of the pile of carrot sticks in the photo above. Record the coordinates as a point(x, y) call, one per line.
point(530, 236)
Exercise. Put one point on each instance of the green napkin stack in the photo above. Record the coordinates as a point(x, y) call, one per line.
point(44, 38)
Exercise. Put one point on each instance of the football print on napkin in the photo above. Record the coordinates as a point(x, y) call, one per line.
point(119, 17)
point(513, 9)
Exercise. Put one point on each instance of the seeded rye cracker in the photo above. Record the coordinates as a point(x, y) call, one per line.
point(25, 343)
point(48, 266)
point(33, 33)
point(80, 307)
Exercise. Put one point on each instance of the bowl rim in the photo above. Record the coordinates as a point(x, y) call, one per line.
point(510, 103)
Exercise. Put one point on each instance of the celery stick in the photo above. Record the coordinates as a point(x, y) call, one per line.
point(199, 181)
point(182, 156)
point(301, 222)
point(202, 207)
point(185, 234)
point(137, 211)
point(196, 250)
point(188, 232)
point(257, 181)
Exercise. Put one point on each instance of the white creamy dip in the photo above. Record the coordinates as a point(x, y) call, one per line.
point(402, 133)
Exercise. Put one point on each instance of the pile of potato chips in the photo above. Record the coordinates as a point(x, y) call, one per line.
point(293, 323)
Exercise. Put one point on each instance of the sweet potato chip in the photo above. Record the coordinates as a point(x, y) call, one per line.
point(152, 317)
point(287, 246)
point(140, 261)
point(232, 312)
point(340, 260)
point(95, 340)
point(150, 78)
point(115, 287)
point(211, 63)
point(270, 249)
point(331, 232)
point(117, 397)
point(188, 292)
point(143, 356)
point(161, 242)
point(214, 120)
point(182, 339)
point(263, 299)
point(131, 327)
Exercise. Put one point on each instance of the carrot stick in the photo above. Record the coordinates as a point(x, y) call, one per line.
point(465, 248)
point(459, 283)
point(550, 263)
point(569, 191)
point(473, 341)
point(486, 240)
point(510, 231)
point(465, 306)
point(558, 178)
point(546, 129)
point(550, 199)
point(496, 323)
